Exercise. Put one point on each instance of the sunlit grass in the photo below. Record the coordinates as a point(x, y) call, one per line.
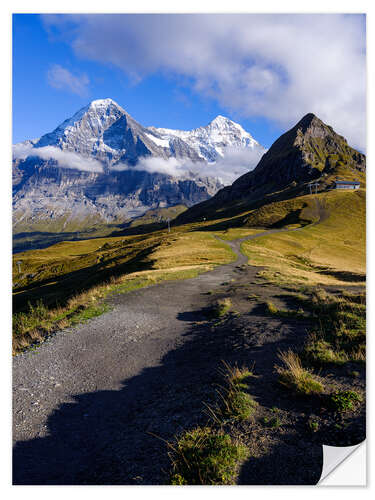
point(330, 252)
point(295, 377)
point(176, 256)
point(206, 457)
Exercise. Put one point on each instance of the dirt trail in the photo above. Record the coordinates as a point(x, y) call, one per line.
point(86, 401)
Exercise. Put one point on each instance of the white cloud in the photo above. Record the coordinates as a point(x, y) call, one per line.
point(64, 159)
point(62, 79)
point(278, 66)
point(236, 162)
point(21, 150)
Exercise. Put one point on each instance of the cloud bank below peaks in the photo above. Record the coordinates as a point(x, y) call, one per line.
point(235, 162)
point(64, 159)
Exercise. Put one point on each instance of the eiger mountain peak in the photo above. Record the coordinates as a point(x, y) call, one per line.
point(95, 174)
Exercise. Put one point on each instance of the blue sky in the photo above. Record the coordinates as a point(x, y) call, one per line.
point(159, 100)
point(263, 71)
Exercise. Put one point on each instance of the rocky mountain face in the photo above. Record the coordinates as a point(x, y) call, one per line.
point(105, 131)
point(310, 150)
point(307, 151)
point(101, 166)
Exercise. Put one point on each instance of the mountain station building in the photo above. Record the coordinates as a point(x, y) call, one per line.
point(347, 185)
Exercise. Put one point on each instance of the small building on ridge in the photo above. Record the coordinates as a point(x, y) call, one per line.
point(347, 185)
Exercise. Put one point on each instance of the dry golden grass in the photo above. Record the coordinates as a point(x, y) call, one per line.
point(331, 252)
point(236, 375)
point(340, 333)
point(235, 233)
point(295, 377)
point(177, 256)
point(196, 248)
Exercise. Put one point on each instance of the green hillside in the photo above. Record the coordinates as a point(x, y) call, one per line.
point(310, 151)
point(324, 244)
point(331, 250)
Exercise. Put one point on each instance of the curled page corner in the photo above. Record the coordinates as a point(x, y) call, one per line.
point(355, 468)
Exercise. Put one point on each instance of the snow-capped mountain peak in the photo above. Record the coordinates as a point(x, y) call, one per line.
point(220, 121)
point(104, 103)
point(103, 128)
point(98, 114)
point(211, 140)
point(227, 127)
point(101, 164)
point(83, 132)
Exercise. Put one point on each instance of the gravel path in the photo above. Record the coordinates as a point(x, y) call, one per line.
point(90, 394)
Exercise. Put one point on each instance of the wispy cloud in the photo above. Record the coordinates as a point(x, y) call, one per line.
point(234, 163)
point(62, 79)
point(278, 66)
point(63, 159)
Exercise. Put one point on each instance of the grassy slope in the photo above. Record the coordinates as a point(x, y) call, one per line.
point(64, 284)
point(153, 216)
point(24, 241)
point(42, 233)
point(234, 233)
point(331, 251)
point(60, 224)
point(79, 264)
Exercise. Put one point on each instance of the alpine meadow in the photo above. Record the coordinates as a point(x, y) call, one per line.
point(189, 293)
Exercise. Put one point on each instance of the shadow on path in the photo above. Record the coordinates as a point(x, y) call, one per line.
point(108, 437)
point(105, 437)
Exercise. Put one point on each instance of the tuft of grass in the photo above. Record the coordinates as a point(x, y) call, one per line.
point(313, 425)
point(92, 311)
point(222, 307)
point(252, 296)
point(273, 422)
point(235, 375)
point(274, 311)
point(238, 405)
point(206, 457)
point(296, 378)
point(344, 401)
point(39, 322)
point(271, 308)
point(235, 401)
point(320, 352)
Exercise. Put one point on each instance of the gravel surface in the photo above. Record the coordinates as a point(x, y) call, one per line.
point(69, 398)
point(95, 404)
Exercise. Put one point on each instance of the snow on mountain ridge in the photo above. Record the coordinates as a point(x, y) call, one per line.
point(95, 109)
point(83, 133)
point(103, 129)
point(103, 164)
point(211, 141)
